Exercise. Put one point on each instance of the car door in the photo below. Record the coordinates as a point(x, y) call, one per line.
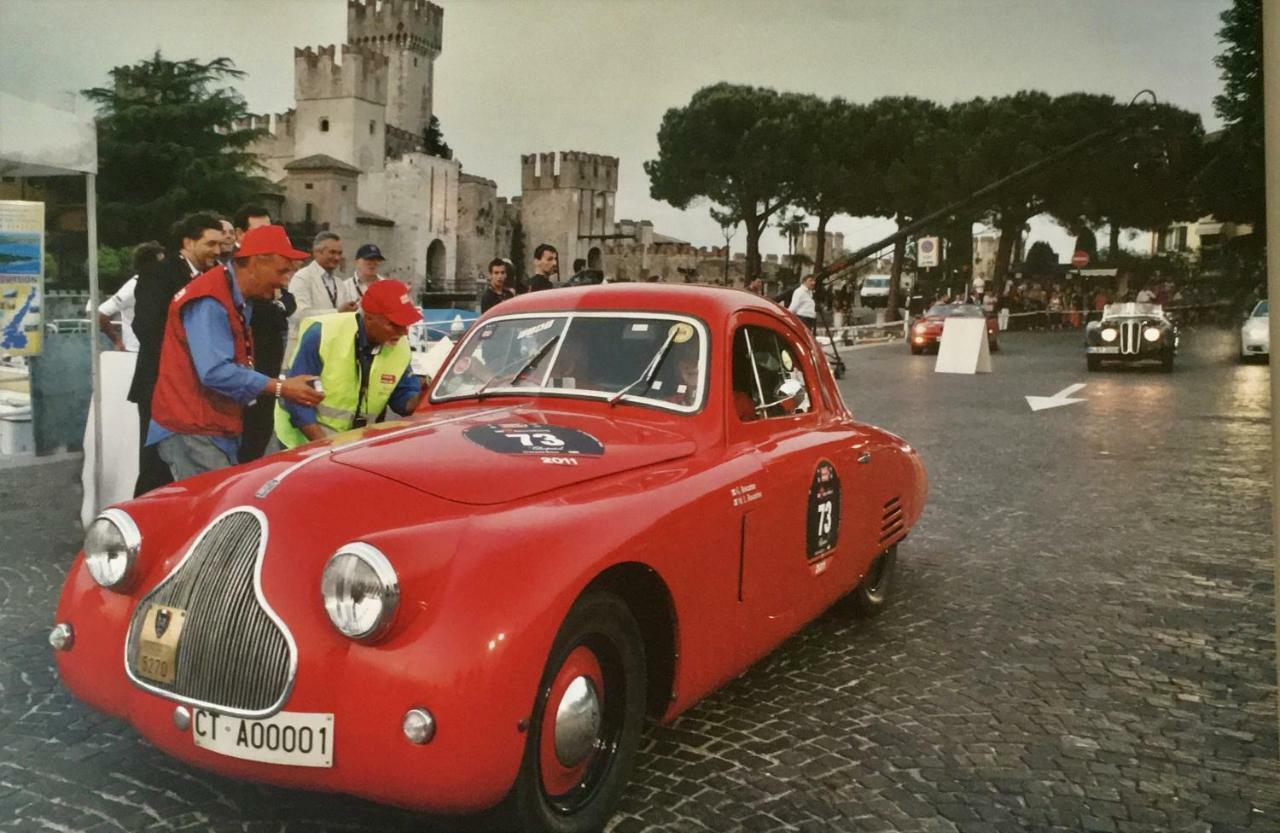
point(805, 516)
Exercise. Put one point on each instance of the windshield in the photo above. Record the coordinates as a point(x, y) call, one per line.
point(876, 283)
point(955, 310)
point(1260, 311)
point(584, 355)
point(1133, 309)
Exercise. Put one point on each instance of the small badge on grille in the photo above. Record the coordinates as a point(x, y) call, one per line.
point(158, 643)
point(162, 621)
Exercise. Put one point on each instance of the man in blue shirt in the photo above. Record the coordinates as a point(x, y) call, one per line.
point(206, 364)
point(362, 359)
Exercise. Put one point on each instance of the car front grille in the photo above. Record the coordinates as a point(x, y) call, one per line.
point(1130, 337)
point(234, 655)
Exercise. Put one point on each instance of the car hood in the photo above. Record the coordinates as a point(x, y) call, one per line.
point(484, 456)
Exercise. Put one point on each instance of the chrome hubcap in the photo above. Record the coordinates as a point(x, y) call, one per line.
point(577, 722)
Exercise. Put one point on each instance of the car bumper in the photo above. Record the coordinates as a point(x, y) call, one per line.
point(1255, 346)
point(469, 765)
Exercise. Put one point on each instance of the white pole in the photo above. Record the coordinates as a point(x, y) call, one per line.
point(1271, 125)
point(91, 214)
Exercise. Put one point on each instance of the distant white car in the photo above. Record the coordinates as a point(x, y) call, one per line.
point(1255, 339)
point(875, 290)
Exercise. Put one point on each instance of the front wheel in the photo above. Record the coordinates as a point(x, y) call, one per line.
point(586, 721)
point(1093, 362)
point(1166, 362)
point(994, 346)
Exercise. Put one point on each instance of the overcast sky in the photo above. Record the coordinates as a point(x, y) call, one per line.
point(519, 76)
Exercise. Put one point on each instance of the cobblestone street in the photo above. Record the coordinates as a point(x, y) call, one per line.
point(1082, 637)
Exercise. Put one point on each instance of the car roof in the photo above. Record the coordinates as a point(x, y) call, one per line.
point(706, 302)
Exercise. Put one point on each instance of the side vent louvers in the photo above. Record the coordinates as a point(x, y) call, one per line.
point(891, 520)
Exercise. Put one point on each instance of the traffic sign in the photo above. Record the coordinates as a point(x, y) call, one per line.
point(927, 252)
point(1080, 259)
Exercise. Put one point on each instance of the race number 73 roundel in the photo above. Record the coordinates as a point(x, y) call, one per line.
point(822, 528)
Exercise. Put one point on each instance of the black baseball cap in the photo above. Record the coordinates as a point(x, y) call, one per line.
point(369, 252)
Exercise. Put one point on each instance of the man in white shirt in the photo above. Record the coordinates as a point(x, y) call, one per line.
point(1145, 296)
point(316, 287)
point(368, 259)
point(802, 303)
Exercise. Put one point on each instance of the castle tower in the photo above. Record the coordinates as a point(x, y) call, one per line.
point(409, 34)
point(567, 200)
point(341, 105)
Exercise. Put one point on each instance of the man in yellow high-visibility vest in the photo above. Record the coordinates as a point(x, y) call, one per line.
point(362, 359)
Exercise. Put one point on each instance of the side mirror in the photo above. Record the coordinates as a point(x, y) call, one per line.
point(792, 395)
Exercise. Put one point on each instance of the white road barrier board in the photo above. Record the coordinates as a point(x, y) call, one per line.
point(119, 438)
point(963, 348)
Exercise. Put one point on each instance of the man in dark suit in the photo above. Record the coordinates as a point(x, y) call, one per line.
point(270, 326)
point(198, 239)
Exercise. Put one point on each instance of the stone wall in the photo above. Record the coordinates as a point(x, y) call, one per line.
point(420, 193)
point(477, 228)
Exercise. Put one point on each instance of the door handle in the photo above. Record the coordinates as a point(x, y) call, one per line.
point(864, 457)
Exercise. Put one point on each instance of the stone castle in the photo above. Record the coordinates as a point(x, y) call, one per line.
point(351, 157)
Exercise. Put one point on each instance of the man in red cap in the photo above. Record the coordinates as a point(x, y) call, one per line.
point(206, 361)
point(362, 359)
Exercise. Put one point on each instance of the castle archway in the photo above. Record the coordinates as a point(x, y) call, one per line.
point(594, 261)
point(436, 264)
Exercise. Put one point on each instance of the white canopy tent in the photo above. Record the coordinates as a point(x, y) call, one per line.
point(38, 140)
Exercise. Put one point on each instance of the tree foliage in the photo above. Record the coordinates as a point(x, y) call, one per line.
point(1232, 182)
point(736, 146)
point(433, 140)
point(167, 146)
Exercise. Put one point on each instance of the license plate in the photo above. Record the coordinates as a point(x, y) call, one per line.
point(158, 643)
point(289, 738)
point(1104, 349)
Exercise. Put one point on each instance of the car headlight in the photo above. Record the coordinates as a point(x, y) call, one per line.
point(111, 548)
point(1110, 335)
point(920, 328)
point(361, 592)
point(1151, 333)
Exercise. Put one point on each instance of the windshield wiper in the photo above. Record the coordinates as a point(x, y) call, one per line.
point(537, 357)
point(650, 371)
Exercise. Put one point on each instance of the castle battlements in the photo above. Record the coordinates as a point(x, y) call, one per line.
point(416, 25)
point(339, 72)
point(568, 169)
point(276, 125)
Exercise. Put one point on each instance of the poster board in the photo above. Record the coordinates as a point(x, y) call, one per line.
point(21, 277)
point(963, 348)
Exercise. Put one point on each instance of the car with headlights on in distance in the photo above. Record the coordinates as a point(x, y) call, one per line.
point(1131, 333)
point(1255, 333)
point(612, 501)
point(925, 331)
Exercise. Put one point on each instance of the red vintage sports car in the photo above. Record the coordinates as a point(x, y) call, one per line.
point(614, 500)
point(926, 330)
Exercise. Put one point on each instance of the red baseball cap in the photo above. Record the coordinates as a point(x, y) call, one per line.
point(391, 298)
point(268, 240)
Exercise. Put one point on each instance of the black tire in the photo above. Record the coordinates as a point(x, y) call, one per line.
point(995, 347)
point(1093, 363)
point(872, 594)
point(1166, 363)
point(604, 626)
point(915, 350)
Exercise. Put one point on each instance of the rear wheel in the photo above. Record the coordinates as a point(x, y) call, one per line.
point(871, 595)
point(586, 721)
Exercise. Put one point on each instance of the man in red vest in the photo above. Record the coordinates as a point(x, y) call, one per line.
point(206, 360)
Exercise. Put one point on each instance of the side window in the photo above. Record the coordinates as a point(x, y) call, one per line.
point(767, 377)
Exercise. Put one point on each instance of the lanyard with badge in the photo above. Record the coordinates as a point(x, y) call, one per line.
point(359, 420)
point(245, 332)
point(331, 292)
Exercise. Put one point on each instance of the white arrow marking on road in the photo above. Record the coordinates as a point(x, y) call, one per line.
point(1062, 397)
